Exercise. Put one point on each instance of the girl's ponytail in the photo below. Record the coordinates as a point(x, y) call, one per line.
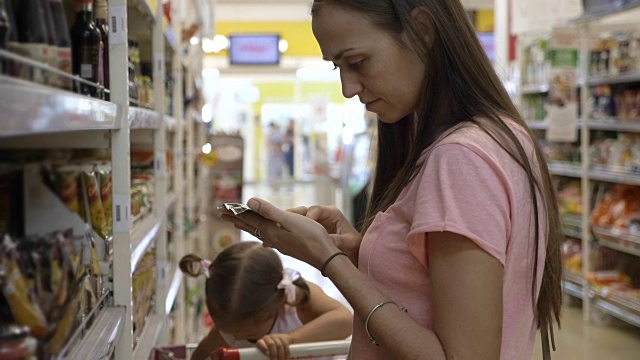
point(194, 266)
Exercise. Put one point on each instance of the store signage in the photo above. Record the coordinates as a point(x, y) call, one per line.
point(563, 100)
point(254, 49)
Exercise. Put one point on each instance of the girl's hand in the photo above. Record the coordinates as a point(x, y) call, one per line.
point(275, 346)
point(344, 235)
point(292, 234)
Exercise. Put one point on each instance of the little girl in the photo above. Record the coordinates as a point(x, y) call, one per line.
point(253, 301)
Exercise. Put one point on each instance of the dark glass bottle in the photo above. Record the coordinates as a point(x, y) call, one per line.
point(85, 49)
point(52, 41)
point(32, 34)
point(5, 28)
point(103, 26)
point(63, 56)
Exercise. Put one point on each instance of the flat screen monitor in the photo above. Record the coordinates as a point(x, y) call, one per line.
point(488, 43)
point(254, 49)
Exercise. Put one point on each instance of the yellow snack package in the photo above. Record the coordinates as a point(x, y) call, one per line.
point(94, 203)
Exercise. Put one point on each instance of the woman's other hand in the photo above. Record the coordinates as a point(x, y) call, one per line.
point(291, 233)
point(344, 235)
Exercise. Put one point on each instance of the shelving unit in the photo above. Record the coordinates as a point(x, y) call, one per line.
point(615, 303)
point(41, 117)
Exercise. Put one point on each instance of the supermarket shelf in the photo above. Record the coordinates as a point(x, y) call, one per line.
point(173, 288)
point(619, 240)
point(572, 220)
point(140, 118)
point(615, 125)
point(149, 337)
point(29, 109)
point(614, 176)
point(613, 79)
point(565, 169)
point(534, 89)
point(614, 309)
point(142, 237)
point(101, 339)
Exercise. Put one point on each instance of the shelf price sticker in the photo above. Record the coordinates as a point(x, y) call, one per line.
point(121, 214)
point(117, 24)
point(160, 166)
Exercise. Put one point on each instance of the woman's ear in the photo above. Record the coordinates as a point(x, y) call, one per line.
point(423, 21)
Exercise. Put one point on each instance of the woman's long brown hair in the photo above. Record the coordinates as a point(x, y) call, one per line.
point(461, 85)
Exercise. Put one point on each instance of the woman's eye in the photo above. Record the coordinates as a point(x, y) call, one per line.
point(356, 65)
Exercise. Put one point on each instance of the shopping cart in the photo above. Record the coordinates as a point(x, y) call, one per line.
point(336, 349)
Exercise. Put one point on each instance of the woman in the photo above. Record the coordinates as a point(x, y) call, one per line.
point(462, 230)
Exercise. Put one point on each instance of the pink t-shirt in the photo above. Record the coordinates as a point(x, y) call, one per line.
point(470, 186)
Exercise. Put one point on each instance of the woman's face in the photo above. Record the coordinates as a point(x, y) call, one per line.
point(385, 75)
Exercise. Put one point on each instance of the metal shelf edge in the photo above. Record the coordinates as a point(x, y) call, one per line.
point(614, 177)
point(102, 337)
point(534, 89)
point(615, 125)
point(144, 8)
point(572, 289)
point(614, 246)
point(613, 79)
point(611, 11)
point(149, 337)
point(140, 118)
point(616, 311)
point(568, 170)
point(142, 237)
point(172, 292)
point(65, 111)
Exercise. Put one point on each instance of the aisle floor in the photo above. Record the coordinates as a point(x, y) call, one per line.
point(575, 341)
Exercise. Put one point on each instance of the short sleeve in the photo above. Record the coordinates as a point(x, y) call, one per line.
point(464, 191)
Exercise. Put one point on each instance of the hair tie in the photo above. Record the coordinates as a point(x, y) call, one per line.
point(204, 263)
point(286, 284)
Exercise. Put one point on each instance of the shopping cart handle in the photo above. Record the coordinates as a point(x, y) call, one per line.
point(297, 351)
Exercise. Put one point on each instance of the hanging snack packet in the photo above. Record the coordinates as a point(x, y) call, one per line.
point(16, 290)
point(68, 189)
point(107, 199)
point(94, 203)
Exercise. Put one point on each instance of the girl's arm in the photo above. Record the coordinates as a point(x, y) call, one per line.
point(323, 317)
point(208, 344)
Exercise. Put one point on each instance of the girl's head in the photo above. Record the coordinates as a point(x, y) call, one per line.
point(419, 65)
point(243, 288)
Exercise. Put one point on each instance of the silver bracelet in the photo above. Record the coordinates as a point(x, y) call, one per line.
point(366, 321)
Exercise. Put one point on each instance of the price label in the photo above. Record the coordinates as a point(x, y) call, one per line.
point(160, 166)
point(121, 214)
point(117, 24)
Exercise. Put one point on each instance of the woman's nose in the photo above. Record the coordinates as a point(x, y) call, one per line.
point(351, 86)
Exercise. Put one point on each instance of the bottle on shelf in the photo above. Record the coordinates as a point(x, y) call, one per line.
point(32, 35)
point(103, 26)
point(5, 28)
point(63, 56)
point(85, 48)
point(52, 41)
point(133, 85)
